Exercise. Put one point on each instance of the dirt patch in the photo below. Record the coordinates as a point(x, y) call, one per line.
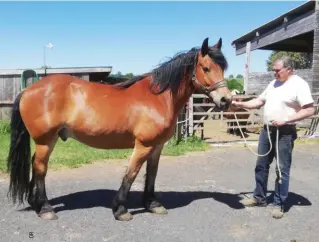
point(215, 132)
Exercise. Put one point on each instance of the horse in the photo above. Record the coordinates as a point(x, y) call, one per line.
point(139, 113)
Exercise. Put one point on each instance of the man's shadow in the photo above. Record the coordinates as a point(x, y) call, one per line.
point(170, 199)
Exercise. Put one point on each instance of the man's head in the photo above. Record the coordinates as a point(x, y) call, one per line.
point(283, 68)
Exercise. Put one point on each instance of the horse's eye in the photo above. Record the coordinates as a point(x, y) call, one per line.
point(205, 69)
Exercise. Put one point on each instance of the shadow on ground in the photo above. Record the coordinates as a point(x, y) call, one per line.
point(170, 199)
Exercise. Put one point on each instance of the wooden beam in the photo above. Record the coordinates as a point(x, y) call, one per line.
point(246, 77)
point(315, 58)
point(300, 25)
point(191, 115)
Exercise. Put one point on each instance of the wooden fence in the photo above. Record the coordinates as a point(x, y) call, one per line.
point(193, 117)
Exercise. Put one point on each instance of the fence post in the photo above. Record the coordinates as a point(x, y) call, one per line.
point(190, 118)
point(179, 127)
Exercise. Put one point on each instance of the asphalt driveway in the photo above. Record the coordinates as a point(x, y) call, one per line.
point(201, 192)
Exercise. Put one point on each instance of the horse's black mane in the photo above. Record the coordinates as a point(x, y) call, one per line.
point(169, 74)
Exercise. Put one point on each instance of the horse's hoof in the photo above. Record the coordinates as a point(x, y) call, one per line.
point(125, 217)
point(48, 216)
point(158, 210)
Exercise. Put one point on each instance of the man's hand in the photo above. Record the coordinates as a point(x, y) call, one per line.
point(278, 123)
point(236, 104)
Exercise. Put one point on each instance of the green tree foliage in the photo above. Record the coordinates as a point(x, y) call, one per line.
point(231, 76)
point(300, 60)
point(239, 76)
point(120, 75)
point(235, 84)
point(129, 75)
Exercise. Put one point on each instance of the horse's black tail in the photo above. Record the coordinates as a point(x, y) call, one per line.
point(19, 155)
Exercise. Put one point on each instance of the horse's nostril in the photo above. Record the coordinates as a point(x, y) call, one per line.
point(223, 100)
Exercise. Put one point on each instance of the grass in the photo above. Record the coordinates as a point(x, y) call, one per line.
point(74, 154)
point(306, 141)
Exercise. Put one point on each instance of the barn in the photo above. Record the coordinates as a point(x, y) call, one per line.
point(296, 31)
point(13, 80)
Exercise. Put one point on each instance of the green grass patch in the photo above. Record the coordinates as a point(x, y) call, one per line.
point(194, 143)
point(4, 127)
point(75, 154)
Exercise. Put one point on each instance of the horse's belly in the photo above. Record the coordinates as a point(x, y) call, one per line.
point(104, 141)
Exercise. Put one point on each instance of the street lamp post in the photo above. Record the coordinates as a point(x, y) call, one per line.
point(50, 46)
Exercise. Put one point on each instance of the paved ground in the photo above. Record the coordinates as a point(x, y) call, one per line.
point(201, 191)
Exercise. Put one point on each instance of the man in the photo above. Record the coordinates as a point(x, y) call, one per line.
point(286, 100)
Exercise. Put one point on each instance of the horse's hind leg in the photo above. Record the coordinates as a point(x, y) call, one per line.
point(149, 199)
point(37, 196)
point(139, 155)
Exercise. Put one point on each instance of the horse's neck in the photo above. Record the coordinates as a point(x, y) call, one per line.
point(184, 92)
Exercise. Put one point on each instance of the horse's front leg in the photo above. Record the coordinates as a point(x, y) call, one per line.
point(139, 155)
point(149, 199)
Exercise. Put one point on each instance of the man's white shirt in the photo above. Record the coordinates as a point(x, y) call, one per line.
point(284, 99)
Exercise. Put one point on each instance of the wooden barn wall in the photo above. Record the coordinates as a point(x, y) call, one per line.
point(258, 81)
point(315, 64)
point(10, 86)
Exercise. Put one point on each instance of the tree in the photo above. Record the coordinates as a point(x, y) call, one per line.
point(231, 76)
point(300, 60)
point(120, 75)
point(235, 84)
point(239, 76)
point(129, 75)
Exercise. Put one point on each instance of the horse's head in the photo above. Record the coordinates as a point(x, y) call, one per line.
point(208, 75)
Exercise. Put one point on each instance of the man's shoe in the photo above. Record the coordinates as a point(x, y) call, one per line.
point(277, 212)
point(251, 202)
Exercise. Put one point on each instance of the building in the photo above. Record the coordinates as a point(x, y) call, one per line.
point(296, 30)
point(13, 80)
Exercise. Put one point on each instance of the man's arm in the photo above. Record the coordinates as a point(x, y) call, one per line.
point(305, 100)
point(251, 104)
point(305, 112)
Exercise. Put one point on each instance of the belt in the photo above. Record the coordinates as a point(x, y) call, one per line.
point(287, 127)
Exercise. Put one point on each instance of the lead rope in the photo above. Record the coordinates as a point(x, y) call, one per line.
point(277, 146)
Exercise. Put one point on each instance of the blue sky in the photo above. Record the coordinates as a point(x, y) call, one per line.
point(129, 36)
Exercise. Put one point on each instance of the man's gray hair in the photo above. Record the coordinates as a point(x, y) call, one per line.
point(286, 62)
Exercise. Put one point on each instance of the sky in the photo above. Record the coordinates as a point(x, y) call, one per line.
point(131, 37)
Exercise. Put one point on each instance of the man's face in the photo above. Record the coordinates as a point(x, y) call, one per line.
point(281, 73)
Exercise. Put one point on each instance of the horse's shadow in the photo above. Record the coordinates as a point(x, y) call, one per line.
point(170, 199)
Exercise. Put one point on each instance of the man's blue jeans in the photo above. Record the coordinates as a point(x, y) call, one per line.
point(287, 136)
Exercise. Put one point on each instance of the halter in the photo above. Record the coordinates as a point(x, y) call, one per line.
point(203, 88)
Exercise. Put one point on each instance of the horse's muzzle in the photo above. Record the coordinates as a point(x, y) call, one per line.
point(222, 101)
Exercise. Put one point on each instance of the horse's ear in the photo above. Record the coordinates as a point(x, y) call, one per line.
point(219, 44)
point(205, 48)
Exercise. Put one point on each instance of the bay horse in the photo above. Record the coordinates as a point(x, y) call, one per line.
point(139, 113)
